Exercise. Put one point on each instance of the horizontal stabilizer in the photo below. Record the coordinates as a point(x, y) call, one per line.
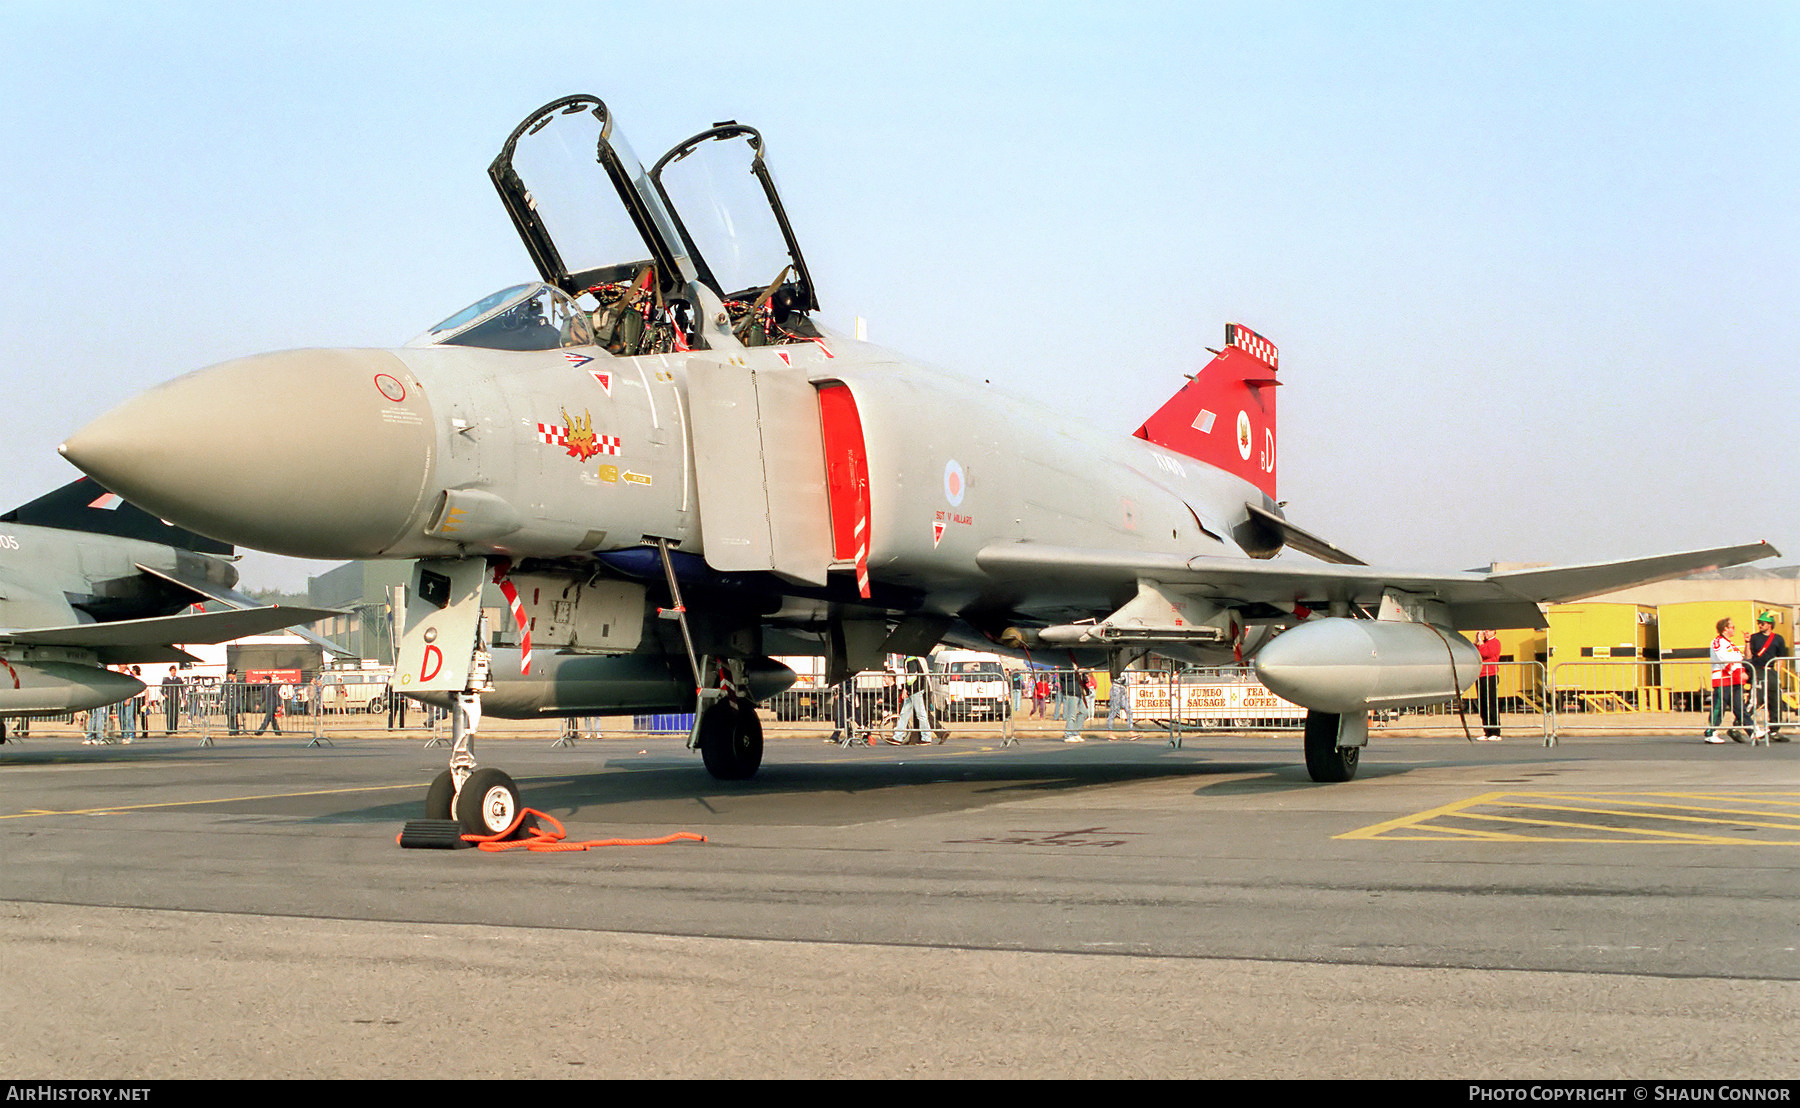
point(1302, 540)
point(196, 627)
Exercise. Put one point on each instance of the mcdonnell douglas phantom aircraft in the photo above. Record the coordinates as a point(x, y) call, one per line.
point(673, 472)
point(87, 580)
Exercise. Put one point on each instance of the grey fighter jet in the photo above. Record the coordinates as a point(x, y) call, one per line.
point(87, 580)
point(673, 472)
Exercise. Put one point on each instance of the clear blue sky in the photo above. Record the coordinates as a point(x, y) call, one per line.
point(1534, 269)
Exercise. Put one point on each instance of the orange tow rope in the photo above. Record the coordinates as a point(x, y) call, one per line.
point(539, 839)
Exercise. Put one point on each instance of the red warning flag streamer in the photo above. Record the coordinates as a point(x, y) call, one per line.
point(518, 613)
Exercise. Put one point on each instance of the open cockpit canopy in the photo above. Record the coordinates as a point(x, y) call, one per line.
point(722, 196)
point(581, 201)
point(652, 278)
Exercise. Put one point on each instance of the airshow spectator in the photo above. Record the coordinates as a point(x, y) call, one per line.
point(1118, 701)
point(1487, 685)
point(1728, 683)
point(271, 704)
point(914, 723)
point(1766, 646)
point(171, 692)
point(1074, 704)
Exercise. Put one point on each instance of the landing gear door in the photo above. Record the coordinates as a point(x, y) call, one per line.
point(582, 203)
point(722, 197)
point(443, 614)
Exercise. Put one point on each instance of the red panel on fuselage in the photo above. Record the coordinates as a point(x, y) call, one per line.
point(846, 469)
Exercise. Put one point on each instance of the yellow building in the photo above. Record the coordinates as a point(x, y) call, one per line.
point(1589, 644)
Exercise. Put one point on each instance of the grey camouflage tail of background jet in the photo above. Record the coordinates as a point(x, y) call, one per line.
point(88, 580)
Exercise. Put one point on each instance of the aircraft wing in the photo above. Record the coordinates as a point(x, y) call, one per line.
point(161, 631)
point(1476, 599)
point(209, 590)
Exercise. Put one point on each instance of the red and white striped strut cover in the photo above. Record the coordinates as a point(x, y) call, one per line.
point(1253, 344)
point(518, 613)
point(862, 556)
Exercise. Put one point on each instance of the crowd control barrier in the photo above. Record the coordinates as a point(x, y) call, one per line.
point(1519, 708)
point(1592, 696)
point(1660, 697)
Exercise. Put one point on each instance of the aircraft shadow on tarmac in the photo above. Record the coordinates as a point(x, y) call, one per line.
point(822, 790)
point(837, 793)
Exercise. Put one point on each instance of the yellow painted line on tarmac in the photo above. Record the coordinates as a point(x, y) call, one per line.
point(109, 808)
point(1789, 826)
point(1414, 820)
point(1648, 833)
point(1619, 817)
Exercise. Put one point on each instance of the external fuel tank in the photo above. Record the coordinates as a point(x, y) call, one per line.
point(1349, 665)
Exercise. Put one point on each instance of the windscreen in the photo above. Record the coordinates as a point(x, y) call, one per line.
point(523, 317)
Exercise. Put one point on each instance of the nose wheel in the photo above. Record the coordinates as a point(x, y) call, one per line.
point(441, 797)
point(488, 803)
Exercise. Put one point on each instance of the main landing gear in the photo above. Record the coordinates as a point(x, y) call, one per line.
point(1327, 758)
point(731, 740)
point(726, 729)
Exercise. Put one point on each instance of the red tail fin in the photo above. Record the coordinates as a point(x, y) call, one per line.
point(1225, 416)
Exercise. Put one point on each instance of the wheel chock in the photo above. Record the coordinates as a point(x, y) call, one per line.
point(433, 834)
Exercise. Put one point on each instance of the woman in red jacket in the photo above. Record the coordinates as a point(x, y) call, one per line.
point(1487, 686)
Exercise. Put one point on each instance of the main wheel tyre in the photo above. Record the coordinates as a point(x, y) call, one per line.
point(1325, 759)
point(488, 803)
point(440, 796)
point(731, 742)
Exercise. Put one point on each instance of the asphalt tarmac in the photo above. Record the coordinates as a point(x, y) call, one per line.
point(1610, 907)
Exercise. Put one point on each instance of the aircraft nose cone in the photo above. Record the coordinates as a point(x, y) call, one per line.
point(309, 453)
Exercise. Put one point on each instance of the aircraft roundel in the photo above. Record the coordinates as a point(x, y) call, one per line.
point(954, 483)
point(1244, 435)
